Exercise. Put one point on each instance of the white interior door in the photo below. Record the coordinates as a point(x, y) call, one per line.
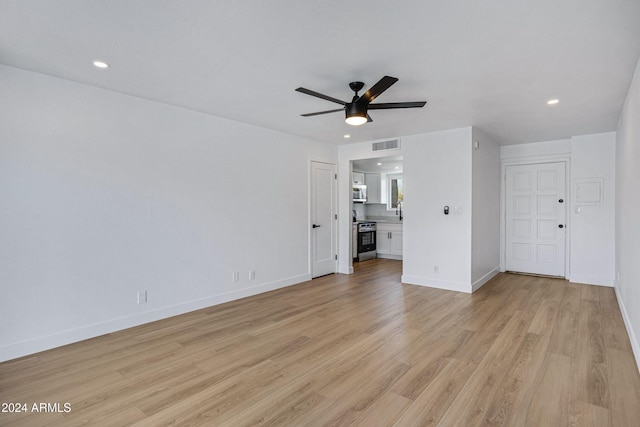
point(323, 219)
point(535, 218)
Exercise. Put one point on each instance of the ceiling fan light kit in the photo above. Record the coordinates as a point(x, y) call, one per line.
point(355, 114)
point(356, 111)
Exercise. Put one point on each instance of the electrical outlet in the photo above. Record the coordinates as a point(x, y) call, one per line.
point(252, 274)
point(142, 297)
point(436, 269)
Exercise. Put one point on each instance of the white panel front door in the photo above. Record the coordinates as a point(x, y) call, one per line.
point(535, 218)
point(323, 219)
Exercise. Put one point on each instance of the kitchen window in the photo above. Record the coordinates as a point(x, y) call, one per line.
point(395, 191)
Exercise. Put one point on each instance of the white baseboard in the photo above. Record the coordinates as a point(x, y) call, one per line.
point(27, 347)
point(345, 269)
point(451, 286)
point(484, 279)
point(632, 335)
point(439, 284)
point(389, 256)
point(592, 280)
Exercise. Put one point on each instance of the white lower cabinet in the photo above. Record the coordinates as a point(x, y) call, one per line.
point(389, 240)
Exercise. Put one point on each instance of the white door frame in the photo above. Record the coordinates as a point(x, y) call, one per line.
point(535, 160)
point(334, 203)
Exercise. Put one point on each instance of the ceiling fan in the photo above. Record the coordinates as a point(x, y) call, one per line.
point(356, 111)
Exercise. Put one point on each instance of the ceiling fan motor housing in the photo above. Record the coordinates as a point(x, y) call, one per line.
point(356, 109)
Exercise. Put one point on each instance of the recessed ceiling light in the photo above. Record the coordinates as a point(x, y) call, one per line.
point(397, 167)
point(347, 136)
point(553, 101)
point(100, 64)
point(379, 164)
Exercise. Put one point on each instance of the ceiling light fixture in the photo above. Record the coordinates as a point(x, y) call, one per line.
point(356, 114)
point(347, 136)
point(379, 164)
point(553, 101)
point(100, 64)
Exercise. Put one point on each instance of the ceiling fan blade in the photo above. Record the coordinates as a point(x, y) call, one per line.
point(322, 112)
point(375, 90)
point(369, 119)
point(389, 105)
point(319, 95)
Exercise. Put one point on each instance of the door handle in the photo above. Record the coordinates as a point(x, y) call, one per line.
point(560, 226)
point(315, 226)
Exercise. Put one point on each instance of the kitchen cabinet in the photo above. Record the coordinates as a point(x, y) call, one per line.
point(354, 240)
point(372, 180)
point(358, 178)
point(389, 240)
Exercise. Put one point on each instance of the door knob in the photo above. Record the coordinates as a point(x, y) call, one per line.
point(315, 226)
point(560, 226)
point(561, 201)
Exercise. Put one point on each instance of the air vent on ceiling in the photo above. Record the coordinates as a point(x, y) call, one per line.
point(392, 144)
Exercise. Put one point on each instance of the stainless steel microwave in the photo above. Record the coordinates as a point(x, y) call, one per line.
point(360, 193)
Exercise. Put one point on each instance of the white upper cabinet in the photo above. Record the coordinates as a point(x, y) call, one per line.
point(372, 180)
point(358, 178)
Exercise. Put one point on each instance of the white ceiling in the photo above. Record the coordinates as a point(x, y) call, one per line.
point(491, 63)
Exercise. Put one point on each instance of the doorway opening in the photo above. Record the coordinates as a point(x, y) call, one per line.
point(377, 209)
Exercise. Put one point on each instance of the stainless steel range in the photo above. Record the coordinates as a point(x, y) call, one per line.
point(366, 240)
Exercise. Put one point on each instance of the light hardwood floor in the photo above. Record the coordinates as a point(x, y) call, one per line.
point(362, 349)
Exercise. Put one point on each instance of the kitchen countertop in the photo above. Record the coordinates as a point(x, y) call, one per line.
point(385, 221)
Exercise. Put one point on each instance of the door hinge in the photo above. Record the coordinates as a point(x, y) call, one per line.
point(336, 257)
point(336, 216)
point(335, 176)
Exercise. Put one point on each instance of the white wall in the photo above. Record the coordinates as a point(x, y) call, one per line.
point(536, 151)
point(440, 169)
point(485, 221)
point(103, 195)
point(592, 236)
point(627, 211)
point(437, 172)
